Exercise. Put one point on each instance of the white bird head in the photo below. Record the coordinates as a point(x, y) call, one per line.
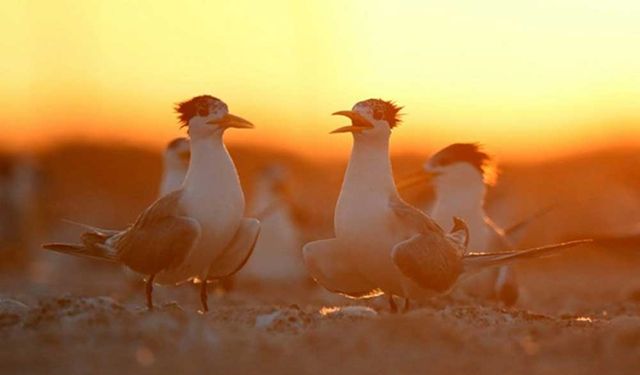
point(460, 165)
point(178, 153)
point(371, 118)
point(206, 115)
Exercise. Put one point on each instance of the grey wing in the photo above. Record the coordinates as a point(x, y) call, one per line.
point(476, 261)
point(429, 261)
point(238, 252)
point(161, 238)
point(412, 216)
point(328, 264)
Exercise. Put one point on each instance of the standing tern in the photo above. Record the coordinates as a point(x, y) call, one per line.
point(383, 245)
point(460, 173)
point(196, 232)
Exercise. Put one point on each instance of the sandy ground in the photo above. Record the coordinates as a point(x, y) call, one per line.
point(97, 324)
point(579, 313)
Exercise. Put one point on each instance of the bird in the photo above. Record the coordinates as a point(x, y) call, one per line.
point(196, 233)
point(175, 162)
point(383, 245)
point(460, 174)
point(276, 259)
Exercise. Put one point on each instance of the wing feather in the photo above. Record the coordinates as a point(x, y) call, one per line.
point(430, 261)
point(160, 238)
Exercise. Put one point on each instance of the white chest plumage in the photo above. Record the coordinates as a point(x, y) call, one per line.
point(211, 195)
point(364, 221)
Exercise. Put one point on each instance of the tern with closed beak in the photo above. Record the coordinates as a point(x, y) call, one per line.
point(382, 244)
point(460, 173)
point(197, 232)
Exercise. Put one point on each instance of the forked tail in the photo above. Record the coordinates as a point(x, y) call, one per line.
point(94, 245)
point(95, 252)
point(477, 261)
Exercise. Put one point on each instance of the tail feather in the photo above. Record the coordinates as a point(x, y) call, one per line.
point(476, 261)
point(102, 231)
point(95, 252)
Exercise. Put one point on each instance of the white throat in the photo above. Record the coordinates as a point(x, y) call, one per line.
point(368, 184)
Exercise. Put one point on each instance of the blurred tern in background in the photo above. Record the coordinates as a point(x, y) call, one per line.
point(383, 245)
point(277, 258)
point(175, 162)
point(195, 233)
point(460, 174)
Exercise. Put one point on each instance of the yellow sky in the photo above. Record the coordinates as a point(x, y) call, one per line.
point(523, 77)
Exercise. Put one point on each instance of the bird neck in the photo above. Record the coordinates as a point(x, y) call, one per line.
point(465, 200)
point(369, 167)
point(210, 164)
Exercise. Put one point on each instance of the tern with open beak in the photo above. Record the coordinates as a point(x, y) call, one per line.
point(383, 245)
point(197, 232)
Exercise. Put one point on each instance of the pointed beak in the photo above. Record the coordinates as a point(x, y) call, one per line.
point(358, 123)
point(419, 177)
point(232, 121)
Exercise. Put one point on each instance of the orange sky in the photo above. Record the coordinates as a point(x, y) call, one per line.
point(524, 78)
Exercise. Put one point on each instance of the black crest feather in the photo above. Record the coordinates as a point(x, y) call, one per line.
point(471, 153)
point(385, 109)
point(198, 105)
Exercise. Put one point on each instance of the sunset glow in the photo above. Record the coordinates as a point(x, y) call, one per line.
point(525, 78)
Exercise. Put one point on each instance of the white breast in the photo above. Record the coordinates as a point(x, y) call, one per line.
point(212, 196)
point(364, 221)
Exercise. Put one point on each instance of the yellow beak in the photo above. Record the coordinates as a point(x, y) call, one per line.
point(359, 123)
point(232, 121)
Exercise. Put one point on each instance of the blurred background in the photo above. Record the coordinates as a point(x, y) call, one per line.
point(552, 90)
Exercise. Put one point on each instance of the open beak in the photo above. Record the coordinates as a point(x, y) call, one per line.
point(232, 121)
point(358, 123)
point(416, 178)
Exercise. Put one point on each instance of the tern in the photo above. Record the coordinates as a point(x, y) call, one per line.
point(276, 258)
point(382, 244)
point(460, 173)
point(197, 232)
point(175, 162)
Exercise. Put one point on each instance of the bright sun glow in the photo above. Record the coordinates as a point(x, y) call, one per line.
point(525, 78)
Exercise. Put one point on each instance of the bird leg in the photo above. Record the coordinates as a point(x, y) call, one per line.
point(203, 296)
point(407, 305)
point(392, 304)
point(149, 291)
